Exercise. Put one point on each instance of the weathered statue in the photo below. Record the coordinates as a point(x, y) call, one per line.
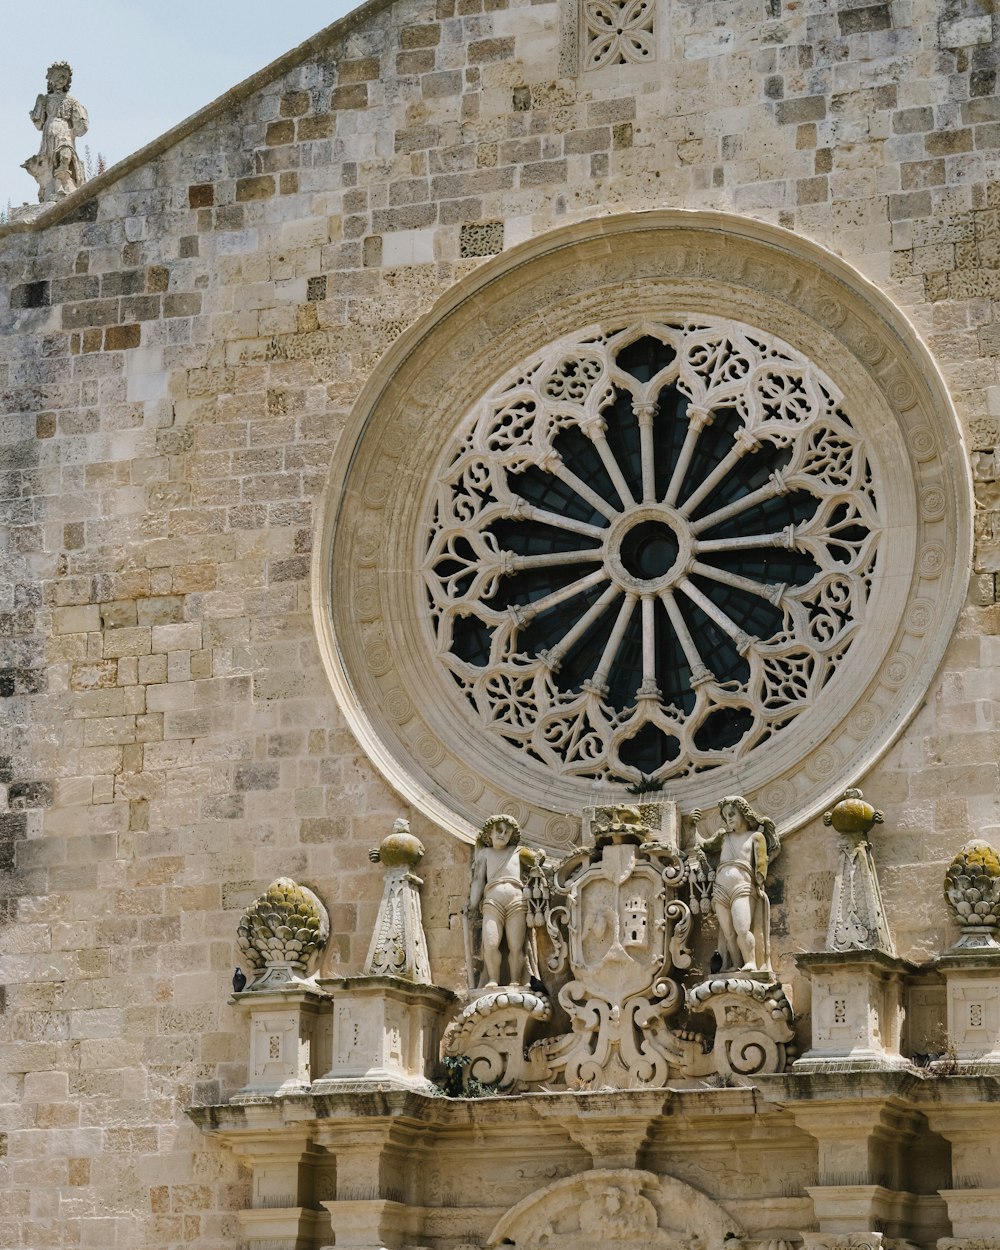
point(500, 871)
point(745, 844)
point(61, 119)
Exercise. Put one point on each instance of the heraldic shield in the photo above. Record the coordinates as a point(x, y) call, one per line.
point(623, 932)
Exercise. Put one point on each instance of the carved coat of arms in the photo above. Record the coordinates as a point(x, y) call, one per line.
point(622, 930)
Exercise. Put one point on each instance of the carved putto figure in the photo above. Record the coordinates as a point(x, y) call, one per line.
point(500, 872)
point(62, 120)
point(745, 844)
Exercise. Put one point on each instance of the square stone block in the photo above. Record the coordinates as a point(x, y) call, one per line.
point(384, 1031)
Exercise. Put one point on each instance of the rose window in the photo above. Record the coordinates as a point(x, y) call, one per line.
point(652, 547)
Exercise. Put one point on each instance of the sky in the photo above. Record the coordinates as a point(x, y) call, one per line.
point(139, 66)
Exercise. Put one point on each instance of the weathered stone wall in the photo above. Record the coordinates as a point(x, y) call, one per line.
point(180, 352)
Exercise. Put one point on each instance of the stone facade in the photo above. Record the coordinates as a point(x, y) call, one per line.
point(196, 345)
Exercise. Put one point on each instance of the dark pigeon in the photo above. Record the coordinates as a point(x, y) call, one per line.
point(716, 963)
point(239, 980)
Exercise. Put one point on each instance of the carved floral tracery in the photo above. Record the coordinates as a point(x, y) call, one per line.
point(651, 547)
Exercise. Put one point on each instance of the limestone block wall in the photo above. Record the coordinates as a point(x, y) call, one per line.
point(182, 342)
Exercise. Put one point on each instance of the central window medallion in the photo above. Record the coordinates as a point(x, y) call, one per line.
point(645, 551)
point(649, 551)
point(651, 548)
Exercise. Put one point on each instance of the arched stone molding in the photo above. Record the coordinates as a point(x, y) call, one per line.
point(612, 1207)
point(370, 600)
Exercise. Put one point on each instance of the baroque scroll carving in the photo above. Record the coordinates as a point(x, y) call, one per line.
point(618, 929)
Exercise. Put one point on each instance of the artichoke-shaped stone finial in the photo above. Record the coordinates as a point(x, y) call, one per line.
point(280, 931)
point(972, 888)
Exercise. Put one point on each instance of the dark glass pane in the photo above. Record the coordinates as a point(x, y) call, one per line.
point(649, 749)
point(471, 640)
point(723, 728)
point(644, 358)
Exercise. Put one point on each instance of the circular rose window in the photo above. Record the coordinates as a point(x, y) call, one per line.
point(669, 503)
point(652, 546)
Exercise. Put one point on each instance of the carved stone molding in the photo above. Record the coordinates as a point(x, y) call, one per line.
point(610, 1207)
point(380, 643)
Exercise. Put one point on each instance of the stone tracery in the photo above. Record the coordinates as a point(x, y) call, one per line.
point(651, 547)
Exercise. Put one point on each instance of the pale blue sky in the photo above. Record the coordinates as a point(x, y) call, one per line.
point(139, 66)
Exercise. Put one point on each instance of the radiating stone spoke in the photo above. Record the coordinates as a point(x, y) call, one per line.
point(584, 491)
point(614, 472)
point(603, 672)
point(691, 653)
point(537, 606)
point(644, 415)
point(747, 542)
point(556, 654)
point(649, 688)
point(768, 491)
point(550, 559)
point(713, 611)
point(698, 418)
point(763, 590)
point(744, 444)
point(525, 511)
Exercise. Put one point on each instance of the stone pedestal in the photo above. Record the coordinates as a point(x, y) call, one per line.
point(974, 1213)
point(373, 1224)
point(290, 1228)
point(385, 1032)
point(972, 990)
point(283, 1029)
point(859, 1208)
point(857, 1010)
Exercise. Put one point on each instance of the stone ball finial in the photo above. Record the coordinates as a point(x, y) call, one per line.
point(282, 929)
point(852, 815)
point(972, 889)
point(399, 848)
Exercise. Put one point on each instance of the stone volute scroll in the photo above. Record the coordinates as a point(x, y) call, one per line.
point(398, 946)
point(56, 167)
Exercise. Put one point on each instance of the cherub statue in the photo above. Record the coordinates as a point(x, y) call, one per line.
point(746, 843)
point(56, 167)
point(501, 871)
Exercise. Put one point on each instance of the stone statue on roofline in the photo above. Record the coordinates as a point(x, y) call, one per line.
point(56, 167)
